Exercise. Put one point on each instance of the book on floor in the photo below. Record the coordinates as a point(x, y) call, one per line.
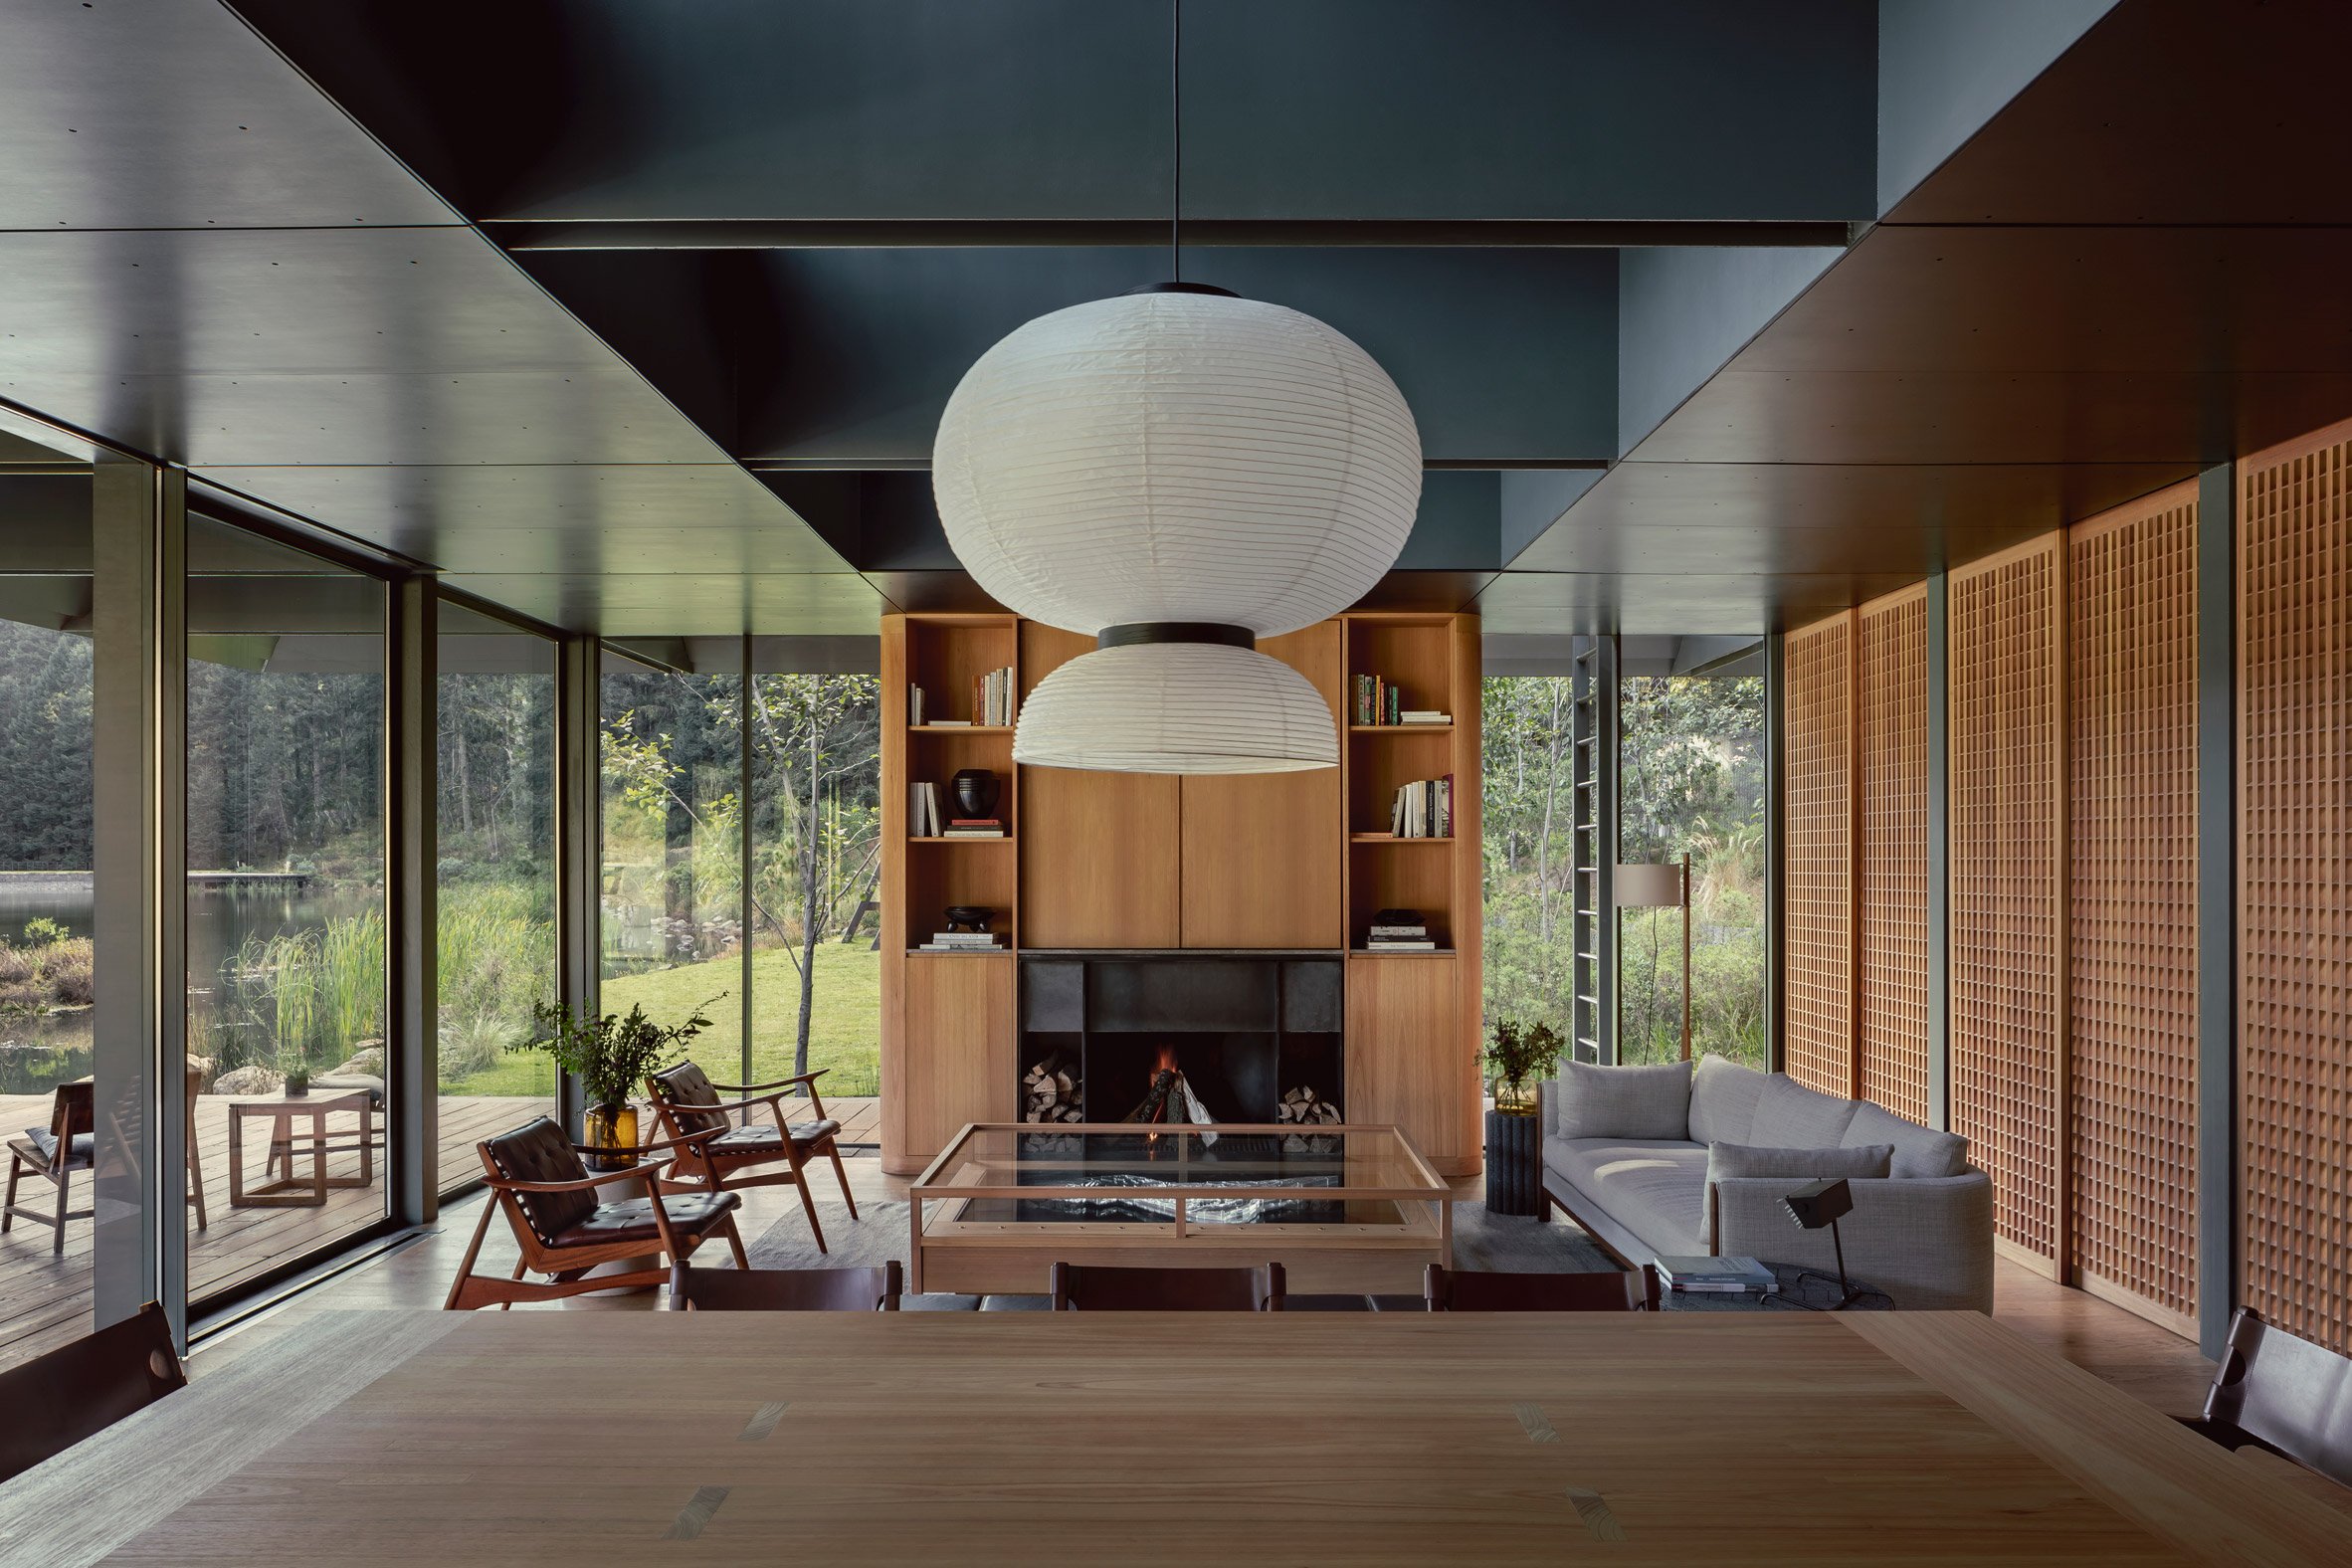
point(1717, 1275)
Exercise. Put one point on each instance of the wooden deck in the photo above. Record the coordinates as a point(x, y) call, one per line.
point(45, 1297)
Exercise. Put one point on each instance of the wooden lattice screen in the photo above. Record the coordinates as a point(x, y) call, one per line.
point(2294, 1086)
point(2131, 759)
point(1892, 901)
point(2007, 834)
point(1817, 1030)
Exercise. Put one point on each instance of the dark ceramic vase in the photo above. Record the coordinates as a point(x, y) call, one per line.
point(975, 793)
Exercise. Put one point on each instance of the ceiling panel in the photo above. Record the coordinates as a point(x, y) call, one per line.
point(1553, 602)
point(157, 114)
point(656, 517)
point(1809, 518)
point(838, 604)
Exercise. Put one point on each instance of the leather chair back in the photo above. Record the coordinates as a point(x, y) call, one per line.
point(790, 1289)
point(1095, 1287)
point(1452, 1291)
point(55, 1400)
point(2285, 1393)
point(538, 1151)
point(688, 1085)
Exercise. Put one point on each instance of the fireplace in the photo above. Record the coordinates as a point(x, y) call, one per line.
point(1255, 1035)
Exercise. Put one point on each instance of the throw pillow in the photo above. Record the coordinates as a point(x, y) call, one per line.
point(1726, 1161)
point(1595, 1102)
point(1723, 1097)
point(1791, 1117)
point(1918, 1151)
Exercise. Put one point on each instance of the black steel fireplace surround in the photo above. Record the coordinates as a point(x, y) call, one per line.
point(1243, 1027)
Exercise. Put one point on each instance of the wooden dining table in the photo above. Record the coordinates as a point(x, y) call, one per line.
point(547, 1437)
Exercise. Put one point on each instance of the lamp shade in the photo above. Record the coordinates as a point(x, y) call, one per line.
point(1176, 708)
point(1172, 457)
point(1648, 887)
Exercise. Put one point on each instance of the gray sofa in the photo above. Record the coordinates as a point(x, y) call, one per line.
point(1654, 1162)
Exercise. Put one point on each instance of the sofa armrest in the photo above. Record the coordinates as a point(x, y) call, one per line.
point(1926, 1241)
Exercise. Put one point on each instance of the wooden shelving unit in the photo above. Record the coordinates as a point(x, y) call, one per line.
point(1291, 861)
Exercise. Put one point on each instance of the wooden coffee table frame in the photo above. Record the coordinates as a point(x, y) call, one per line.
point(961, 1257)
point(291, 1192)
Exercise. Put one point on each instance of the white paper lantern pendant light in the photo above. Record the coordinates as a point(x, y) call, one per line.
point(1177, 471)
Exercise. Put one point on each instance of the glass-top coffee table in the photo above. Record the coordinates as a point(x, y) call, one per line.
point(1349, 1209)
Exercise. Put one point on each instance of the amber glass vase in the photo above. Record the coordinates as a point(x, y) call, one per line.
point(1515, 1100)
point(610, 1127)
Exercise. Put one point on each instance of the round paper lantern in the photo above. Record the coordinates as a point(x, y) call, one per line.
point(1177, 455)
point(1176, 708)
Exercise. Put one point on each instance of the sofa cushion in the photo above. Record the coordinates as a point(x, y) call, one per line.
point(1727, 1161)
point(1918, 1151)
point(1723, 1098)
point(1791, 1117)
point(1650, 1186)
point(1623, 1102)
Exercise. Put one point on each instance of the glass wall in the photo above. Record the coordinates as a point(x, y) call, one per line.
point(1527, 812)
point(671, 759)
point(286, 941)
point(48, 979)
point(495, 885)
point(1690, 781)
point(816, 840)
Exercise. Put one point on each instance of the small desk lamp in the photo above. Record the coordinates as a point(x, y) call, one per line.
point(1820, 1204)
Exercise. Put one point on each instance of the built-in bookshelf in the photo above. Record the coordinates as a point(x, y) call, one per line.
point(1417, 663)
point(965, 669)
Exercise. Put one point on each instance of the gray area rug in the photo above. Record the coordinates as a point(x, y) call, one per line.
point(1493, 1243)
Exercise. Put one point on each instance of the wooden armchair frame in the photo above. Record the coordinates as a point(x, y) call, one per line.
point(721, 1170)
point(568, 1267)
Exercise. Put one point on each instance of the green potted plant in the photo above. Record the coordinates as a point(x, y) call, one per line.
point(293, 1061)
point(612, 1054)
point(1521, 1054)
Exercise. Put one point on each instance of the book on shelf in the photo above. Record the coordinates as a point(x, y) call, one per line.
point(914, 704)
point(1399, 944)
point(992, 832)
point(992, 698)
point(949, 723)
point(992, 945)
point(1424, 715)
point(1402, 932)
point(1376, 701)
point(1424, 809)
point(923, 820)
point(1717, 1275)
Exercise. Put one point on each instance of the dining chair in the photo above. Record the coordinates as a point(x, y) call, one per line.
point(55, 1153)
point(2282, 1393)
point(1445, 1290)
point(688, 1101)
point(537, 1179)
point(787, 1289)
point(1100, 1287)
point(55, 1400)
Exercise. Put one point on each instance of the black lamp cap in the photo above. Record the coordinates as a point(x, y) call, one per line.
point(1173, 287)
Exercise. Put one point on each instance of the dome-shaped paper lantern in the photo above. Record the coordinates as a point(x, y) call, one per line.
point(1177, 457)
point(1176, 708)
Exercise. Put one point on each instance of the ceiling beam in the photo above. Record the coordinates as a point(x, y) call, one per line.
point(721, 233)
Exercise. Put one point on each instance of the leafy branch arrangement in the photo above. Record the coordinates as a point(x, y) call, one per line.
point(1519, 1052)
point(612, 1054)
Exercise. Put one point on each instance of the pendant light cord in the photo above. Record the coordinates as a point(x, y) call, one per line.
point(1176, 140)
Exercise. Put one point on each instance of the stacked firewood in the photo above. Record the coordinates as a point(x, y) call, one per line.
point(1302, 1107)
point(1049, 1093)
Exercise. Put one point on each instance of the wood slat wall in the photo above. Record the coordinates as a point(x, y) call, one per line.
point(2295, 792)
point(2007, 833)
point(2131, 758)
point(1817, 854)
point(1891, 859)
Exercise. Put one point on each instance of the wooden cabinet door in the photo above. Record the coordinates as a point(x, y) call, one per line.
point(955, 1061)
point(1410, 1063)
point(1097, 850)
point(1261, 852)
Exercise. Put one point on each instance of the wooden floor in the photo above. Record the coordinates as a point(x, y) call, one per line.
point(45, 1297)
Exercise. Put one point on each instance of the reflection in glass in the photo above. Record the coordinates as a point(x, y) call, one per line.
point(286, 897)
point(48, 979)
point(495, 883)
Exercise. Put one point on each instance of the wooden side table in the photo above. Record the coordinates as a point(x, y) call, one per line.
point(289, 1191)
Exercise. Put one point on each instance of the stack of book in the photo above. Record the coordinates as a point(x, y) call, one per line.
point(974, 828)
point(1424, 809)
point(1378, 702)
point(962, 942)
point(914, 704)
point(1399, 931)
point(1717, 1275)
point(925, 820)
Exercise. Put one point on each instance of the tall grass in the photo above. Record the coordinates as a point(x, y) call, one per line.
point(303, 999)
point(497, 956)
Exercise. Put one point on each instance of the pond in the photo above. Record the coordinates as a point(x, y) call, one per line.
point(37, 1052)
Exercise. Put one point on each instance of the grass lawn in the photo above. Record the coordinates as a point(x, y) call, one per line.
point(844, 1034)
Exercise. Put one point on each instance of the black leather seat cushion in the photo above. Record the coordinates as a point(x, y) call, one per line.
point(761, 1137)
point(84, 1154)
point(632, 1219)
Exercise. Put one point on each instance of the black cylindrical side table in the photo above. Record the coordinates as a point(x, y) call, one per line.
point(1515, 1163)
